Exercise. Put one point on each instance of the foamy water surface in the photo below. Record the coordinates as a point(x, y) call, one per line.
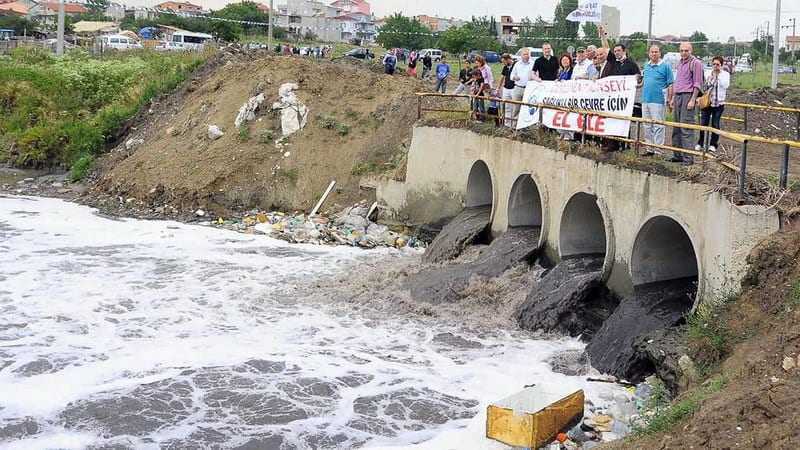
point(156, 334)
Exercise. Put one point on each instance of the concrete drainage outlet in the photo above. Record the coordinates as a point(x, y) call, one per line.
point(583, 229)
point(479, 186)
point(663, 251)
point(524, 203)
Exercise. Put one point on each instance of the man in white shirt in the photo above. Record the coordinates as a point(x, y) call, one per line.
point(521, 74)
point(581, 69)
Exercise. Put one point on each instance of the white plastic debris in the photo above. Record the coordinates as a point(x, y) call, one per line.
point(293, 113)
point(248, 111)
point(214, 132)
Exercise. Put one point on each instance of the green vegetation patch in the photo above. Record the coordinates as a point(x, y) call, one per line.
point(58, 111)
point(662, 416)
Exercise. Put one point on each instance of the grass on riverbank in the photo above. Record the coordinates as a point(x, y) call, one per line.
point(761, 76)
point(61, 111)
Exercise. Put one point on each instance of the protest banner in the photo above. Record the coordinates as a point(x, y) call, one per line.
point(614, 95)
point(588, 11)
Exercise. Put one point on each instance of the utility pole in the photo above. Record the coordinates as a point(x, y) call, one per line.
point(794, 30)
point(269, 26)
point(650, 27)
point(776, 45)
point(60, 32)
point(766, 41)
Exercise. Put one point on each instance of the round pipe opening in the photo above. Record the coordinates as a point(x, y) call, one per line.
point(525, 203)
point(479, 186)
point(583, 229)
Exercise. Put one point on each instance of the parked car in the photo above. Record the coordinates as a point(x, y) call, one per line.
point(185, 40)
point(436, 54)
point(118, 42)
point(360, 53)
point(535, 53)
point(743, 68)
point(787, 69)
point(489, 56)
point(6, 34)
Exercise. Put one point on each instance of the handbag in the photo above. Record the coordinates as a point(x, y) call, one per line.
point(704, 101)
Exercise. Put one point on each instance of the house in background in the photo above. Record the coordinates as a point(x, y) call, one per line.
point(353, 6)
point(46, 13)
point(13, 8)
point(181, 8)
point(357, 26)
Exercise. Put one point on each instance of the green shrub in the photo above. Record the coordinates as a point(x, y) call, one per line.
point(81, 168)
point(244, 133)
point(343, 129)
point(56, 110)
point(266, 137)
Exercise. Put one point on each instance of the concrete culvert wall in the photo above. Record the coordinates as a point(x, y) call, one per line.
point(662, 251)
point(524, 203)
point(479, 186)
point(582, 230)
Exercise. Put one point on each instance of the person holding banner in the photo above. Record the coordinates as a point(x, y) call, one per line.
point(545, 68)
point(657, 79)
point(506, 86)
point(521, 73)
point(688, 82)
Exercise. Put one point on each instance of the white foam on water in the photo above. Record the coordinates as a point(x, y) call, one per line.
point(149, 333)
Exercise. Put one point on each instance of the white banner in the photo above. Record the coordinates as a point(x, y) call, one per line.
point(614, 95)
point(588, 11)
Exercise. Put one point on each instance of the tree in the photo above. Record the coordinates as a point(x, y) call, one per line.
point(400, 31)
point(636, 44)
point(533, 33)
point(590, 32)
point(470, 36)
point(564, 30)
point(97, 6)
point(20, 25)
point(700, 48)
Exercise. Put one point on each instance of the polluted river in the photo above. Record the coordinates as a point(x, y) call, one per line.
point(123, 333)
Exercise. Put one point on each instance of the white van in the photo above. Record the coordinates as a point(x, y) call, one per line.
point(436, 54)
point(118, 42)
point(185, 40)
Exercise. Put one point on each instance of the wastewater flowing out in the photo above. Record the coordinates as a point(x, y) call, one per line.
point(156, 334)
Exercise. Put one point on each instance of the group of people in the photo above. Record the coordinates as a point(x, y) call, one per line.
point(659, 89)
point(413, 59)
point(314, 52)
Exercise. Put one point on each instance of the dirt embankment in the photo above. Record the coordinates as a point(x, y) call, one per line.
point(359, 122)
point(759, 405)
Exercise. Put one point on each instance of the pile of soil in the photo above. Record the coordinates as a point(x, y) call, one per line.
point(772, 124)
point(759, 407)
point(359, 122)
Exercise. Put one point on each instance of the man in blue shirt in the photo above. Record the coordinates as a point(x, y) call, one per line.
point(442, 72)
point(657, 78)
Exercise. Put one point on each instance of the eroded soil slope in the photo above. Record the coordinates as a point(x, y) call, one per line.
point(359, 122)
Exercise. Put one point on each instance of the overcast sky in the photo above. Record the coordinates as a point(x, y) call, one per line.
point(719, 19)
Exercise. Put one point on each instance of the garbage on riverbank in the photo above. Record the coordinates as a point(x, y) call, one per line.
point(614, 416)
point(350, 227)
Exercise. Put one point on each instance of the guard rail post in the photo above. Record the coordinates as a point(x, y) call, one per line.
point(583, 134)
point(743, 169)
point(784, 178)
point(706, 143)
point(797, 128)
point(419, 107)
point(636, 145)
point(745, 117)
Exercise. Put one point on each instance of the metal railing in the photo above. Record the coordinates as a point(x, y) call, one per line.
point(636, 141)
point(747, 107)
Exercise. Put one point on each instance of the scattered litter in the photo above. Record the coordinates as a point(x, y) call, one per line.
point(293, 113)
point(199, 213)
point(247, 112)
point(214, 132)
point(132, 143)
point(788, 363)
point(286, 155)
point(348, 227)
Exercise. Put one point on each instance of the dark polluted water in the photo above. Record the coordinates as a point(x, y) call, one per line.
point(652, 307)
point(158, 335)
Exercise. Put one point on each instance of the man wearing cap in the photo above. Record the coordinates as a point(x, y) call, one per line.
point(506, 86)
point(582, 65)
